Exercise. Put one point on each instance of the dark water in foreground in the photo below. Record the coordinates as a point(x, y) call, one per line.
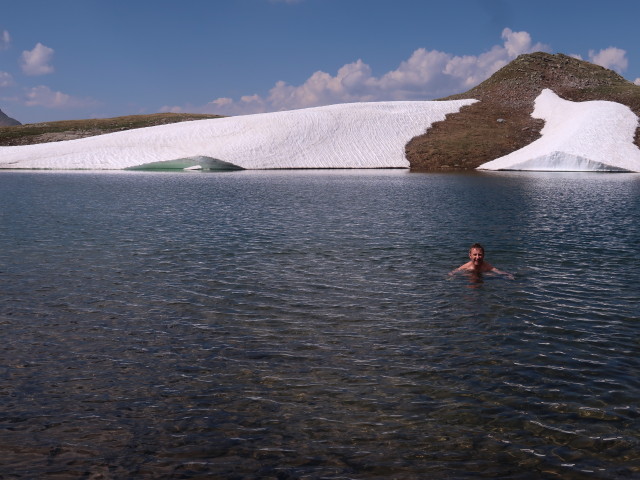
point(293, 325)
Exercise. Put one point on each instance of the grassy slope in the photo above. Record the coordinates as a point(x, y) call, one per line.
point(473, 136)
point(68, 130)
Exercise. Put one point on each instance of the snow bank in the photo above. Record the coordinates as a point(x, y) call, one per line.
point(577, 136)
point(359, 135)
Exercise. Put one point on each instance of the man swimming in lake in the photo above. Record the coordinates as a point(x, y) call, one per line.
point(477, 265)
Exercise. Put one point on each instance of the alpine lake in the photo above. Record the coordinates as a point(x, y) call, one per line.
point(304, 325)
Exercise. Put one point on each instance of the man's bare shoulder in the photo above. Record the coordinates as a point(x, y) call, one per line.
point(486, 267)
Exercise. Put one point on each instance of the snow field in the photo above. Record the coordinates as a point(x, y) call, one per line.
point(358, 135)
point(577, 136)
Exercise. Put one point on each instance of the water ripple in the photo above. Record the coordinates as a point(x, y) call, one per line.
point(303, 325)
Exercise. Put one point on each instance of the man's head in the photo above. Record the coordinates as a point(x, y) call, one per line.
point(476, 254)
point(476, 246)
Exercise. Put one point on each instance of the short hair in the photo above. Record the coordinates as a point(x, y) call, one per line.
point(476, 245)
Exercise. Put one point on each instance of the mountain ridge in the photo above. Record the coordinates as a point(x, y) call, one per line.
point(7, 121)
point(34, 133)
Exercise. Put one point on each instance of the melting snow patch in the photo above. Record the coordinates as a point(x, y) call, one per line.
point(577, 136)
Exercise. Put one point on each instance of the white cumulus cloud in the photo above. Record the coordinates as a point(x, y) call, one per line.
point(5, 40)
point(637, 81)
point(612, 58)
point(37, 61)
point(426, 74)
point(43, 96)
point(6, 80)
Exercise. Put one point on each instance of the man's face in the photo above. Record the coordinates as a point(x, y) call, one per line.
point(477, 256)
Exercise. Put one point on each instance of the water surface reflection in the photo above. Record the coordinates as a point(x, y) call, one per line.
point(304, 325)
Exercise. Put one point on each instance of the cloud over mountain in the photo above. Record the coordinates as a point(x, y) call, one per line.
point(425, 74)
point(612, 58)
point(5, 40)
point(6, 80)
point(43, 96)
point(37, 61)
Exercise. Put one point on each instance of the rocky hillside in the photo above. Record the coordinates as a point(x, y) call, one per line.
point(7, 121)
point(501, 122)
point(72, 129)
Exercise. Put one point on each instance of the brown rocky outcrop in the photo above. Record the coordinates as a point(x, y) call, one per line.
point(500, 122)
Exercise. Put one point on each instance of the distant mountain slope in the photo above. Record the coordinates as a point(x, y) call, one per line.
point(34, 133)
point(6, 121)
point(500, 122)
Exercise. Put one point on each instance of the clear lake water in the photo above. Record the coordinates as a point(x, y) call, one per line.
point(304, 325)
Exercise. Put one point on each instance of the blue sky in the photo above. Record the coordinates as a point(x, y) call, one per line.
point(72, 59)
